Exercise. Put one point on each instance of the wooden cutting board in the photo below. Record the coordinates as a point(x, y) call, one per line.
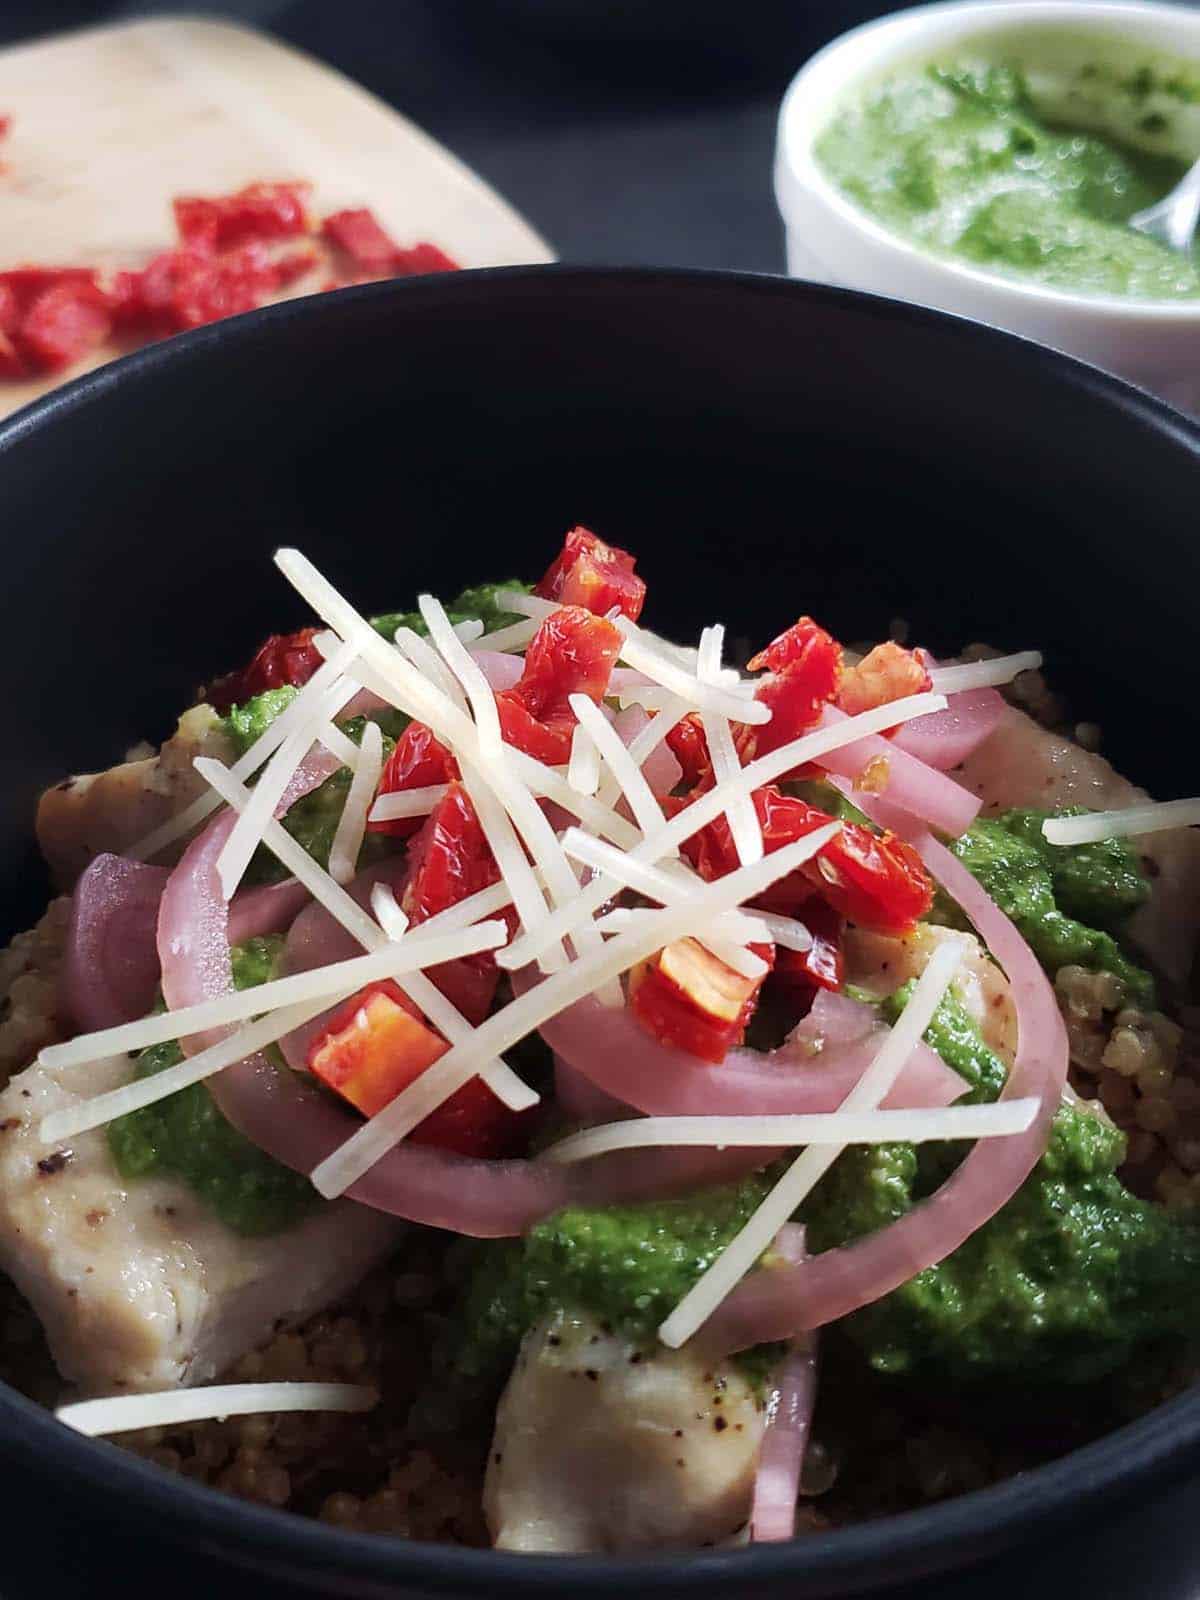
point(109, 124)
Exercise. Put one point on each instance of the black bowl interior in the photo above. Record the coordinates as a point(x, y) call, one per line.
point(767, 448)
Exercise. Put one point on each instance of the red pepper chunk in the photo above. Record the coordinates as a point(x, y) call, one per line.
point(686, 997)
point(377, 1044)
point(886, 673)
point(594, 575)
point(877, 882)
point(449, 860)
point(257, 212)
point(284, 658)
point(807, 665)
point(573, 652)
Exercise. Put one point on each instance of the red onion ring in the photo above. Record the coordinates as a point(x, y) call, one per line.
point(110, 968)
point(918, 789)
point(946, 738)
point(271, 908)
point(781, 1302)
point(580, 1101)
point(660, 769)
point(501, 670)
point(788, 1422)
point(611, 1048)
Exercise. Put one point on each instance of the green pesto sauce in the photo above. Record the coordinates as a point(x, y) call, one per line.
point(311, 821)
point(1065, 1284)
point(957, 157)
point(1036, 883)
point(629, 1265)
point(957, 1040)
point(187, 1137)
point(476, 603)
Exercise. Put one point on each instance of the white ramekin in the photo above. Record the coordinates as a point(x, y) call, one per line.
point(1152, 343)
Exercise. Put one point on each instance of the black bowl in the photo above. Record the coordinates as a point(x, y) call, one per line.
point(767, 448)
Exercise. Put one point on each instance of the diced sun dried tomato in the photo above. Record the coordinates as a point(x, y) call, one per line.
point(824, 964)
point(573, 652)
point(419, 761)
point(688, 745)
point(685, 996)
point(259, 211)
point(449, 860)
point(284, 658)
point(595, 575)
point(421, 258)
point(362, 238)
point(877, 882)
point(886, 673)
point(807, 665)
point(377, 1044)
point(63, 323)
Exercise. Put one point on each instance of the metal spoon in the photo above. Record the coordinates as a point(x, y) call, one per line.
point(1172, 220)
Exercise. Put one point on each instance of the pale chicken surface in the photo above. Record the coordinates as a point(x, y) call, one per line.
point(113, 810)
point(601, 1445)
point(1023, 764)
point(138, 1286)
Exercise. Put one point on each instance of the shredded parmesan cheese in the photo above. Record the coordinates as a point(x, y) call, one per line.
point(638, 652)
point(702, 810)
point(387, 910)
point(646, 809)
point(129, 1413)
point(408, 803)
point(339, 744)
point(643, 745)
point(1001, 1120)
point(352, 824)
point(281, 728)
point(984, 674)
point(807, 1170)
point(744, 827)
point(466, 669)
point(1153, 817)
point(583, 769)
point(554, 994)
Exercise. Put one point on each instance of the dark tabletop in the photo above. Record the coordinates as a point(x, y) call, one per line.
point(625, 137)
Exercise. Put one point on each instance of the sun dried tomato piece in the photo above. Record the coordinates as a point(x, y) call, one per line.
point(419, 761)
point(823, 965)
point(377, 1044)
point(258, 212)
point(424, 257)
point(573, 652)
point(597, 576)
point(878, 882)
point(685, 996)
point(63, 323)
point(806, 663)
point(284, 658)
point(361, 237)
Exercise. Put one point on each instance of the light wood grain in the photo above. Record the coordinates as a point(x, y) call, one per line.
point(110, 123)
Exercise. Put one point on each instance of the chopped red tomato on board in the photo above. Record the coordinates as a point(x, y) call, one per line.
point(377, 1044)
point(284, 658)
point(573, 652)
point(597, 576)
point(416, 259)
point(687, 997)
point(878, 882)
point(49, 317)
point(886, 673)
point(373, 253)
point(449, 860)
point(257, 212)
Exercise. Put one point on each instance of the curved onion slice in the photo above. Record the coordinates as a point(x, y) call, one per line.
point(660, 769)
point(946, 738)
point(788, 1422)
point(502, 671)
point(778, 1303)
point(607, 1045)
point(580, 1101)
point(920, 790)
point(110, 969)
point(484, 1199)
point(270, 908)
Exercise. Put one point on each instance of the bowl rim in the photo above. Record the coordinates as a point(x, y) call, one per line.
point(1155, 1448)
point(796, 168)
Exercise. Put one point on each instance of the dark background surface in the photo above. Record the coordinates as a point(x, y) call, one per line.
point(627, 135)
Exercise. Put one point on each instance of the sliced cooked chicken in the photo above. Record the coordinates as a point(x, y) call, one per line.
point(112, 810)
point(600, 1446)
point(1021, 764)
point(138, 1286)
point(881, 963)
